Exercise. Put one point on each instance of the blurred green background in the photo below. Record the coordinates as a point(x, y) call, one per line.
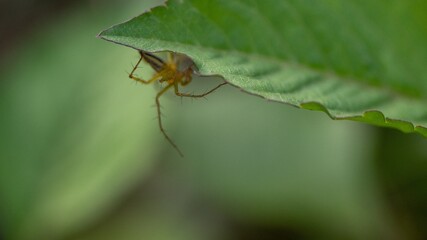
point(81, 155)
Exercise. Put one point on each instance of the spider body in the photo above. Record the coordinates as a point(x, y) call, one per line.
point(176, 71)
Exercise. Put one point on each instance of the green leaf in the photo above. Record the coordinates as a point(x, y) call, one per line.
point(361, 60)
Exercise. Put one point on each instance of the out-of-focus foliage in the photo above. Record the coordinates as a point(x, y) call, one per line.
point(277, 166)
point(402, 162)
point(74, 136)
point(81, 155)
point(359, 60)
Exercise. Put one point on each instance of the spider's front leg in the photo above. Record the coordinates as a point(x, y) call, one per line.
point(155, 77)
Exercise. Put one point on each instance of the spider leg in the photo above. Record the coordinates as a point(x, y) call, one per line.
point(171, 57)
point(159, 114)
point(187, 77)
point(156, 76)
point(196, 95)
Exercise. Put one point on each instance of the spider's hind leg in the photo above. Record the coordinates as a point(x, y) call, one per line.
point(197, 95)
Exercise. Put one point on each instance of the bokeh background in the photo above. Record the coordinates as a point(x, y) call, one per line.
point(81, 155)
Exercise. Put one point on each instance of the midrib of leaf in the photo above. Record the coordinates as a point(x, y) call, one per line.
point(255, 79)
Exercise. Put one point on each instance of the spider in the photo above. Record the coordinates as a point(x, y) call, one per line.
point(177, 70)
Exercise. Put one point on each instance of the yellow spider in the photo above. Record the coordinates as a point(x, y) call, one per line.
point(178, 70)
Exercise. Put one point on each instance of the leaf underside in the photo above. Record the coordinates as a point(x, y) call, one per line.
point(360, 60)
